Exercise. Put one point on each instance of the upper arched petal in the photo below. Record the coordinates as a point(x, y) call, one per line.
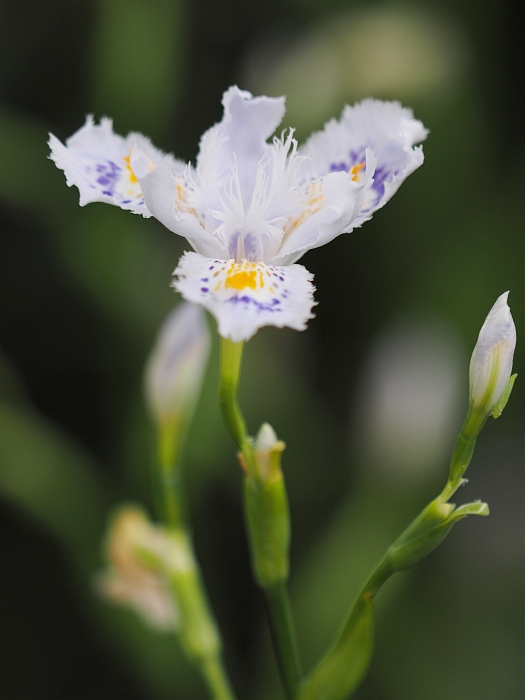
point(240, 138)
point(96, 160)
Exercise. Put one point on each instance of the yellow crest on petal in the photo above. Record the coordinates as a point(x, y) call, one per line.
point(242, 275)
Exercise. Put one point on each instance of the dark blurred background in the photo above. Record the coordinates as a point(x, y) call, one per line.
point(368, 399)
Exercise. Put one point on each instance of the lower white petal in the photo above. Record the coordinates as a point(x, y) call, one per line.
point(245, 296)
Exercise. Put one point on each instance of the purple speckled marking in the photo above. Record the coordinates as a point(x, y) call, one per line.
point(360, 155)
point(204, 279)
point(204, 289)
point(354, 158)
point(109, 174)
point(260, 306)
point(381, 174)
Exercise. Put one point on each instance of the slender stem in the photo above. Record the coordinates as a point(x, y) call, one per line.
point(278, 606)
point(231, 358)
point(197, 629)
point(379, 576)
point(283, 637)
point(171, 437)
point(463, 450)
point(216, 679)
point(172, 499)
point(190, 595)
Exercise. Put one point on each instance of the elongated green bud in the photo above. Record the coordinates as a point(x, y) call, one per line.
point(267, 513)
point(173, 379)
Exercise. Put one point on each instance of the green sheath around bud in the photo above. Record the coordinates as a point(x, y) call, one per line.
point(497, 409)
point(428, 531)
point(267, 514)
point(422, 536)
point(268, 520)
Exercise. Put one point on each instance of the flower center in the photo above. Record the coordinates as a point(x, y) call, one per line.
point(245, 246)
point(242, 275)
point(241, 280)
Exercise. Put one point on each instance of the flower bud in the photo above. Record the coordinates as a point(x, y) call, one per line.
point(177, 362)
point(491, 362)
point(266, 506)
point(153, 571)
point(267, 451)
point(135, 549)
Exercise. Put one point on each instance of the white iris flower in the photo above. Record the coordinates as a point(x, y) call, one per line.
point(249, 208)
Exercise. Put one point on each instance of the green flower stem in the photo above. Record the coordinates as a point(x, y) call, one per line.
point(216, 679)
point(257, 509)
point(231, 359)
point(197, 631)
point(477, 414)
point(283, 636)
point(464, 449)
point(170, 440)
point(341, 669)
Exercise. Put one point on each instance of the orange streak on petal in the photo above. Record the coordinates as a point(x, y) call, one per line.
point(355, 170)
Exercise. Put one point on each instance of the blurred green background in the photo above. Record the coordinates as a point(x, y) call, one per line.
point(368, 400)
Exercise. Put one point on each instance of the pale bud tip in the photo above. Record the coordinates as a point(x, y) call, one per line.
point(266, 438)
point(177, 362)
